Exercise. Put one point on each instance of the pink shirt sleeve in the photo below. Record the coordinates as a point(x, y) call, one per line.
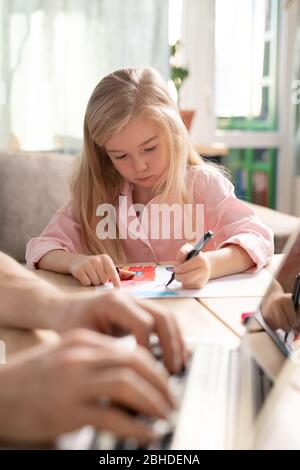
point(62, 233)
point(232, 221)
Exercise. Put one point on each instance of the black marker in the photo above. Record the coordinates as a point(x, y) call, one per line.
point(198, 247)
point(296, 292)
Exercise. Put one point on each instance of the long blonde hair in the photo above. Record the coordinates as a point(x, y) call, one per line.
point(117, 98)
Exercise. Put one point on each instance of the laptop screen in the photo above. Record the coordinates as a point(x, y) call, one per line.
point(272, 338)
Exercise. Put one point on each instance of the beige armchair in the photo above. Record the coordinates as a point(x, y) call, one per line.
point(32, 187)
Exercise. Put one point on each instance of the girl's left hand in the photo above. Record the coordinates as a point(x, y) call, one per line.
point(194, 273)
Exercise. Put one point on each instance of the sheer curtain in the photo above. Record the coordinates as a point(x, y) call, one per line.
point(55, 51)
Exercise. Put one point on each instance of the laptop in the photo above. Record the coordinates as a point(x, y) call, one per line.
point(224, 392)
point(227, 389)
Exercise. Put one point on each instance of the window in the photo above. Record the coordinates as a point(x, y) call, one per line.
point(53, 53)
point(246, 50)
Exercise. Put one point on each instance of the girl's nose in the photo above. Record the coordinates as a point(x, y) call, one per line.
point(140, 164)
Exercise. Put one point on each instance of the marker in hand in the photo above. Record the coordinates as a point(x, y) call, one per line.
point(198, 247)
point(296, 292)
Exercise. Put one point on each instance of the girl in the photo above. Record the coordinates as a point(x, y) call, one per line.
point(136, 157)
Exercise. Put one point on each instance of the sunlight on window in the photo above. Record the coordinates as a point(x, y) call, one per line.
point(45, 74)
point(175, 14)
point(56, 53)
point(175, 23)
point(239, 48)
point(33, 105)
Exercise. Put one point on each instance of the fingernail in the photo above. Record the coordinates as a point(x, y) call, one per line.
point(161, 369)
point(161, 427)
point(165, 410)
point(187, 354)
point(173, 397)
point(177, 362)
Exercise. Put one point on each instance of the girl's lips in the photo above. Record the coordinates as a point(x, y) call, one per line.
point(144, 179)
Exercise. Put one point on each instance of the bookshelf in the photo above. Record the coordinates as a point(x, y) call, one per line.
point(254, 174)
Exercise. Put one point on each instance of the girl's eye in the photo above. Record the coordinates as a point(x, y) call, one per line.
point(121, 157)
point(150, 149)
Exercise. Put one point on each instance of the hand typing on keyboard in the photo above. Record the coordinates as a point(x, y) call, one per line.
point(117, 313)
point(163, 428)
point(84, 377)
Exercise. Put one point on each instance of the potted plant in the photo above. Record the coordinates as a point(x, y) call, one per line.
point(178, 74)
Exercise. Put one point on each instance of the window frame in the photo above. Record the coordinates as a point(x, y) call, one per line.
point(271, 82)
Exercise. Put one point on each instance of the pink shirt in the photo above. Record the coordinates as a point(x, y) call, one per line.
point(230, 219)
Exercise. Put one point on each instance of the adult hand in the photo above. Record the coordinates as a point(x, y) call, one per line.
point(115, 312)
point(86, 379)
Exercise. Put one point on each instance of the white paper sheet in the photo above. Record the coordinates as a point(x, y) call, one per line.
point(237, 285)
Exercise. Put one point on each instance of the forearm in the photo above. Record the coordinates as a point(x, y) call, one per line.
point(229, 260)
point(26, 300)
point(58, 261)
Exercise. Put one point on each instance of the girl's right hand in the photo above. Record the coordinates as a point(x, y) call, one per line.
point(94, 270)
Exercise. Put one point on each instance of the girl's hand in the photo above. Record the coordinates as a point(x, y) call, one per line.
point(194, 273)
point(94, 270)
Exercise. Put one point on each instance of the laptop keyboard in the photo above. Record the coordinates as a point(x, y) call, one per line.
point(201, 389)
point(107, 441)
point(219, 393)
point(203, 414)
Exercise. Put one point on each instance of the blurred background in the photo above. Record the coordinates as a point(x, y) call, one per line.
point(232, 65)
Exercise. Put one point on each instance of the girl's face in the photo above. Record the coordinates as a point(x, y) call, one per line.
point(139, 152)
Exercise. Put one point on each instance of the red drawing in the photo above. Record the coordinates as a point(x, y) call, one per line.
point(142, 273)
